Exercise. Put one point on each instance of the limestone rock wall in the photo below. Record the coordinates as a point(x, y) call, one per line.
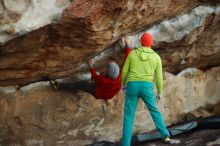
point(37, 115)
point(85, 29)
point(19, 17)
point(191, 39)
point(42, 40)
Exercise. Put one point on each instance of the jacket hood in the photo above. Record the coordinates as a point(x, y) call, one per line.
point(144, 53)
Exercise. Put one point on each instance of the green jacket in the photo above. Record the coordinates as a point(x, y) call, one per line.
point(142, 64)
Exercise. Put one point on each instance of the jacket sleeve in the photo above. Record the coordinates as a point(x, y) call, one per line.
point(125, 70)
point(159, 76)
point(94, 74)
point(127, 52)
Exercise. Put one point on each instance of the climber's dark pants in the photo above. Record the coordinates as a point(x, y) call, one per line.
point(85, 85)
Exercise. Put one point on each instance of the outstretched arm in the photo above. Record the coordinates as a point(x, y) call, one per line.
point(159, 76)
point(93, 71)
point(127, 44)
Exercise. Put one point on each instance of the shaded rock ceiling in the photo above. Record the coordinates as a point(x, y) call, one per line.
point(89, 26)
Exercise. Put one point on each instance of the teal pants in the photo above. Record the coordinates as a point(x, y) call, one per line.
point(134, 91)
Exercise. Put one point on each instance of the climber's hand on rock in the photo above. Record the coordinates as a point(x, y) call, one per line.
point(128, 42)
point(125, 42)
point(90, 62)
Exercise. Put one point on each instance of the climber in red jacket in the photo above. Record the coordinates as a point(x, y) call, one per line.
point(102, 86)
point(106, 86)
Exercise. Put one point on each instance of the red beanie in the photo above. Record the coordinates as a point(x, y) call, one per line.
point(147, 40)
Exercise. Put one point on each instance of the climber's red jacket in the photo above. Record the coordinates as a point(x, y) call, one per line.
point(106, 88)
point(127, 52)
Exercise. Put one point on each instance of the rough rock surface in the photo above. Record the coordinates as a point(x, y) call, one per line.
point(44, 39)
point(189, 40)
point(19, 17)
point(87, 27)
point(37, 115)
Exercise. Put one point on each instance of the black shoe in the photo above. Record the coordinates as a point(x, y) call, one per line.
point(54, 84)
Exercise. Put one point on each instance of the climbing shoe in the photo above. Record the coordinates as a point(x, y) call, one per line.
point(167, 140)
point(54, 84)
